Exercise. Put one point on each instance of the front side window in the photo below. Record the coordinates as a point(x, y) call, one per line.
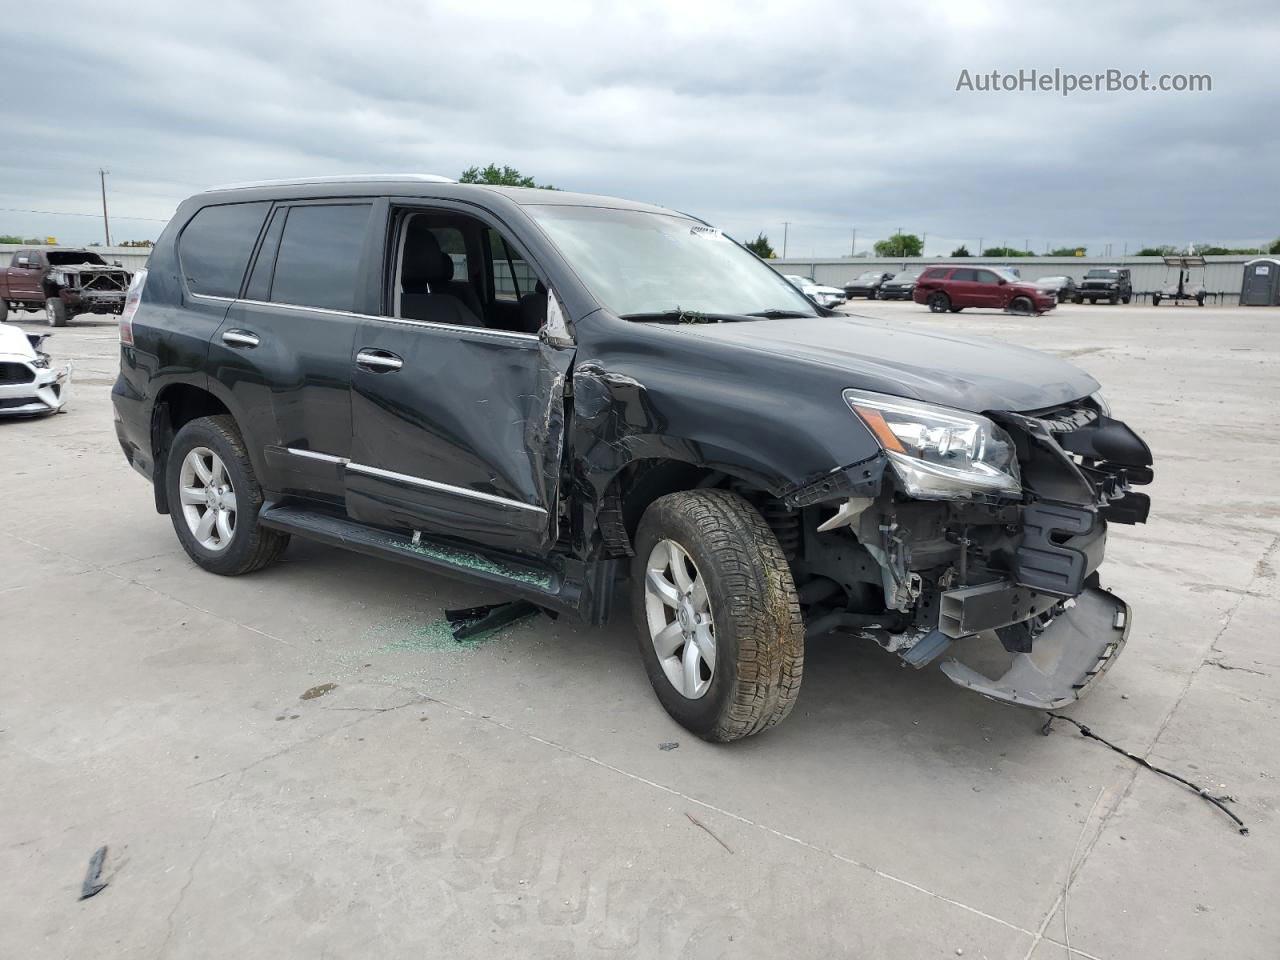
point(643, 263)
point(215, 246)
point(965, 275)
point(986, 276)
point(60, 258)
point(320, 255)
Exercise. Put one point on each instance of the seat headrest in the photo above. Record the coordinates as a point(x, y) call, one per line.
point(424, 262)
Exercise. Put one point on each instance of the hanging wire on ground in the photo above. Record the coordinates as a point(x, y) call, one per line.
point(1220, 802)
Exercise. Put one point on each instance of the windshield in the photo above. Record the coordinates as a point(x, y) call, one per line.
point(906, 276)
point(58, 258)
point(637, 262)
point(1006, 273)
point(1107, 274)
point(867, 277)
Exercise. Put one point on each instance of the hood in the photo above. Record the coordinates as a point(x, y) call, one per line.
point(15, 344)
point(968, 373)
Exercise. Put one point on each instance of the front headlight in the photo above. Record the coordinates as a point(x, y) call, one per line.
point(939, 453)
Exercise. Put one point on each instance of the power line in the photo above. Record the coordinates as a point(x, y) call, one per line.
point(65, 213)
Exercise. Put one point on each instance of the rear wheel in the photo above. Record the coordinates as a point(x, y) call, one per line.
point(871, 294)
point(1199, 299)
point(1155, 299)
point(939, 302)
point(55, 312)
point(214, 499)
point(718, 621)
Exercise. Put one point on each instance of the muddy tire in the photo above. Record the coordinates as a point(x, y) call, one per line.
point(214, 499)
point(939, 302)
point(709, 574)
point(55, 312)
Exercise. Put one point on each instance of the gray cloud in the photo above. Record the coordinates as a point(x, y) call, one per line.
point(749, 114)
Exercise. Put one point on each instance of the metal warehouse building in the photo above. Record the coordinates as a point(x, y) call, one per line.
point(1222, 275)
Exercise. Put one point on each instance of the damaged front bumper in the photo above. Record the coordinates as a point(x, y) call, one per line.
point(1020, 577)
point(1073, 651)
point(46, 392)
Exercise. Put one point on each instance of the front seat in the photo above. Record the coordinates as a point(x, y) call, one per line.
point(428, 289)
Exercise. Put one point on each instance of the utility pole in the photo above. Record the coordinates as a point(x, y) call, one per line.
point(902, 250)
point(785, 225)
point(979, 253)
point(1026, 245)
point(106, 225)
point(923, 238)
point(853, 244)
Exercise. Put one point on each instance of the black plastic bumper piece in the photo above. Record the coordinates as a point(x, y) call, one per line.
point(1061, 546)
point(1072, 652)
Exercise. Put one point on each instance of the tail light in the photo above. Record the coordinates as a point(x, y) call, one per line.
point(132, 298)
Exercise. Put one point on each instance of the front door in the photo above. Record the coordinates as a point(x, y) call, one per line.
point(457, 420)
point(987, 290)
point(25, 279)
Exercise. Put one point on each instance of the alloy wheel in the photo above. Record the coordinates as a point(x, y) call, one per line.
point(680, 621)
point(208, 499)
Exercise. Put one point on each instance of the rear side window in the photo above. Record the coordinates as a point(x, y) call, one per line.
point(320, 256)
point(936, 273)
point(215, 246)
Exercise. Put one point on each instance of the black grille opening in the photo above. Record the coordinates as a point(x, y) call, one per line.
point(16, 373)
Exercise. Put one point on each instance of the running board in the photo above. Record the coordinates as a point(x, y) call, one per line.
point(564, 584)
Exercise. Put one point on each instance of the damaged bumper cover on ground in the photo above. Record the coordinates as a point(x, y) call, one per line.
point(30, 383)
point(1022, 576)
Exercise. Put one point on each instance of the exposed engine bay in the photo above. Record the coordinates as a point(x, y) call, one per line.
point(89, 287)
point(914, 568)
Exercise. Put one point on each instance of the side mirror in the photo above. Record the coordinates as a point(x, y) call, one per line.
point(116, 263)
point(1002, 281)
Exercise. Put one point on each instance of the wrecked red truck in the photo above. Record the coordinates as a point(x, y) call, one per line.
point(62, 283)
point(558, 395)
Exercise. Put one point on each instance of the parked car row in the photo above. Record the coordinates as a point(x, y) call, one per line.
point(820, 294)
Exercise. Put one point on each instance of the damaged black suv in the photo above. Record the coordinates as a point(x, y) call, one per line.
point(550, 393)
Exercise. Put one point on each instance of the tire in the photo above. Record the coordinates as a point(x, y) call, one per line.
point(872, 294)
point(249, 546)
point(4, 310)
point(1022, 305)
point(1113, 299)
point(1126, 299)
point(751, 615)
point(1199, 299)
point(1155, 299)
point(956, 309)
point(55, 312)
point(1077, 299)
point(939, 302)
point(1093, 301)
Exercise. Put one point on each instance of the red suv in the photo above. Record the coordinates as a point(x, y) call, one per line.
point(954, 288)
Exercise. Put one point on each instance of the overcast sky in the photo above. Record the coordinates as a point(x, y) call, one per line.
point(830, 115)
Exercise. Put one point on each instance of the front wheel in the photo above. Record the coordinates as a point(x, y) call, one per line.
point(872, 294)
point(1128, 298)
point(55, 312)
point(1022, 305)
point(1155, 299)
point(939, 302)
point(718, 620)
point(214, 499)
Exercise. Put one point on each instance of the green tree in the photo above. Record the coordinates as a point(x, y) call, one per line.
point(760, 247)
point(1164, 250)
point(1066, 251)
point(10, 238)
point(900, 245)
point(1004, 252)
point(961, 251)
point(1275, 247)
point(503, 176)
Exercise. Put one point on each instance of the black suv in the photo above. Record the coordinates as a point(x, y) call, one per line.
point(551, 393)
point(1105, 283)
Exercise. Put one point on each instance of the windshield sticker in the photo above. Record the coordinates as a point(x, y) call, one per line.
point(707, 233)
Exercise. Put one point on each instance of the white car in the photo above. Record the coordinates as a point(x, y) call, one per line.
point(29, 382)
point(823, 296)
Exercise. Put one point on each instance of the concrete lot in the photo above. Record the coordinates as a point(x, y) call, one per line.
point(512, 799)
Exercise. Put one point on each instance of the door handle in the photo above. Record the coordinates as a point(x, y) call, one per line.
point(378, 361)
point(240, 338)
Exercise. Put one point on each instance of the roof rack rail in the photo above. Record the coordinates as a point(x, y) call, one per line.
point(342, 178)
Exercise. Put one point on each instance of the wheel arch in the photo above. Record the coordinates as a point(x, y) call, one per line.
point(176, 405)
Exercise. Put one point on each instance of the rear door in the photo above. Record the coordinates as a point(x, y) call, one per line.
point(986, 289)
point(458, 428)
point(960, 288)
point(284, 349)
